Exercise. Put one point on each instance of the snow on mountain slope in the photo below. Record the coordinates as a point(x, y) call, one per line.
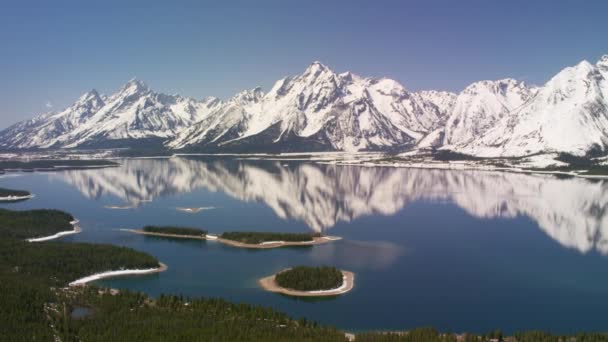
point(134, 112)
point(344, 111)
point(225, 122)
point(321, 110)
point(481, 105)
point(568, 114)
point(47, 129)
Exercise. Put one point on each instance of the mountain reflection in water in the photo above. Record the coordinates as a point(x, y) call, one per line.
point(572, 211)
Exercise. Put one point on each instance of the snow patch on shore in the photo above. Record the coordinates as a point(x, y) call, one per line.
point(15, 198)
point(60, 234)
point(109, 274)
point(271, 242)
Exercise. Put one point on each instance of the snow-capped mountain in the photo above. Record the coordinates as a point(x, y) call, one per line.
point(133, 113)
point(45, 130)
point(321, 110)
point(568, 114)
point(480, 106)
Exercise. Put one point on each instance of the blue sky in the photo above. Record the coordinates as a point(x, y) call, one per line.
point(53, 51)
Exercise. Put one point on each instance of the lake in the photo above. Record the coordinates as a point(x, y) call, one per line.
point(457, 250)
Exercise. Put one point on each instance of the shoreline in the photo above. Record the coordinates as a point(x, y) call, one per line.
point(141, 232)
point(277, 244)
point(263, 245)
point(269, 284)
point(119, 207)
point(76, 230)
point(16, 198)
point(193, 210)
point(460, 166)
point(111, 274)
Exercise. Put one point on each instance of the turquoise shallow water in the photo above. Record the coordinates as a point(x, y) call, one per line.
point(457, 250)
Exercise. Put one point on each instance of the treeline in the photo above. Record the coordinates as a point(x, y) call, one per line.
point(304, 278)
point(33, 223)
point(174, 230)
point(415, 335)
point(28, 272)
point(260, 237)
point(34, 307)
point(51, 164)
point(432, 335)
point(62, 263)
point(9, 192)
point(133, 317)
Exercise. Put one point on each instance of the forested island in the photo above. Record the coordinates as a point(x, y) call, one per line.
point(185, 231)
point(10, 195)
point(304, 278)
point(256, 238)
point(262, 240)
point(253, 240)
point(308, 281)
point(171, 232)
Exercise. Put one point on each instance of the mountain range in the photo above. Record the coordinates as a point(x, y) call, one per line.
point(321, 110)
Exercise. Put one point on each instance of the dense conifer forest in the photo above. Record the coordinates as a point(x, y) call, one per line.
point(174, 230)
point(36, 304)
point(432, 335)
point(260, 237)
point(33, 223)
point(50, 164)
point(304, 278)
point(9, 192)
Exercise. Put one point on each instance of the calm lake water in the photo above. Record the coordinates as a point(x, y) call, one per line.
point(457, 250)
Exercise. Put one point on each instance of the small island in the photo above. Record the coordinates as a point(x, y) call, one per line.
point(9, 195)
point(253, 240)
point(262, 240)
point(171, 232)
point(120, 207)
point(193, 210)
point(305, 281)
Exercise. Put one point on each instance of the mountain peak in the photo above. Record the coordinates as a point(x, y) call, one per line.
point(316, 68)
point(89, 96)
point(602, 64)
point(134, 86)
point(249, 96)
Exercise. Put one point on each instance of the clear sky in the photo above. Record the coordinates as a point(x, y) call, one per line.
point(53, 51)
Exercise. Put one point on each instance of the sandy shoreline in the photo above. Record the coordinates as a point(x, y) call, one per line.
point(348, 283)
point(277, 244)
point(110, 274)
point(263, 245)
point(76, 230)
